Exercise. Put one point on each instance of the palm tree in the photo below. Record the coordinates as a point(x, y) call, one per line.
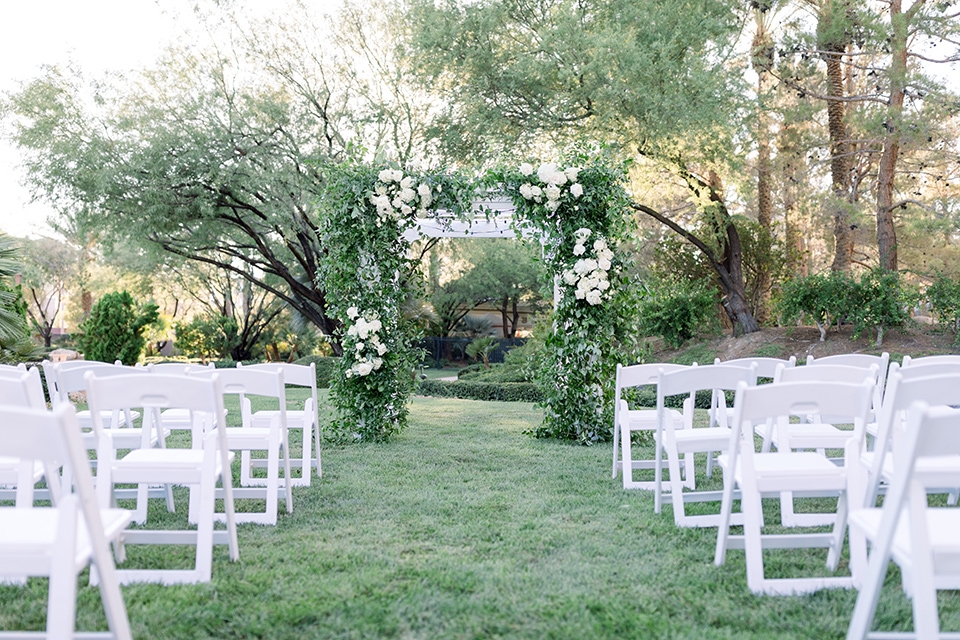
point(15, 343)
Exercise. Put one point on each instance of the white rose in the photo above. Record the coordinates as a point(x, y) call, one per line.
point(536, 191)
point(580, 267)
point(558, 178)
point(600, 244)
point(352, 331)
point(570, 277)
point(604, 285)
point(553, 192)
point(375, 326)
point(526, 191)
point(582, 234)
point(546, 171)
point(576, 189)
point(360, 346)
point(604, 264)
point(526, 169)
point(580, 294)
point(579, 249)
point(572, 173)
point(407, 182)
point(553, 205)
point(352, 313)
point(425, 196)
point(406, 210)
point(377, 363)
point(593, 297)
point(421, 213)
point(382, 348)
point(385, 176)
point(407, 195)
point(364, 368)
point(381, 189)
point(397, 175)
point(397, 202)
point(607, 254)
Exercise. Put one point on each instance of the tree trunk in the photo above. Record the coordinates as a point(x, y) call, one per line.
point(503, 316)
point(762, 60)
point(886, 233)
point(833, 52)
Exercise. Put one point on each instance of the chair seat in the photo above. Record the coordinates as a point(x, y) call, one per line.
point(702, 439)
point(247, 437)
point(34, 531)
point(942, 526)
point(295, 419)
point(643, 419)
point(10, 470)
point(928, 467)
point(161, 465)
point(791, 471)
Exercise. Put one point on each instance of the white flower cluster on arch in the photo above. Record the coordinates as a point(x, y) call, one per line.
point(369, 347)
point(553, 180)
point(396, 195)
point(590, 275)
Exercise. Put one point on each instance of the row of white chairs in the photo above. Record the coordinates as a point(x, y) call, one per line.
point(164, 398)
point(887, 406)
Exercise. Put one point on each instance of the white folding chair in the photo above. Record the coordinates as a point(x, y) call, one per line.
point(864, 361)
point(765, 368)
point(688, 440)
point(770, 474)
point(945, 359)
point(626, 421)
point(273, 438)
point(198, 467)
point(176, 419)
point(306, 419)
point(922, 540)
point(59, 541)
point(20, 387)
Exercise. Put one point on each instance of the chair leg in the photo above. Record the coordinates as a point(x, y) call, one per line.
point(752, 539)
point(839, 531)
point(616, 445)
point(287, 478)
point(723, 528)
point(207, 491)
point(273, 475)
point(62, 595)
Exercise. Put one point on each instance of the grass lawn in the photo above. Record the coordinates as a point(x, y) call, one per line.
point(464, 527)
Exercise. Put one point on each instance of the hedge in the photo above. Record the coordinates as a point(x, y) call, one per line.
point(326, 368)
point(471, 390)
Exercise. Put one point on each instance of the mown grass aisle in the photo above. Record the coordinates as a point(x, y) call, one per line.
point(464, 527)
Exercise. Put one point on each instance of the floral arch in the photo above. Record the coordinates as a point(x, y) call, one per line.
point(370, 215)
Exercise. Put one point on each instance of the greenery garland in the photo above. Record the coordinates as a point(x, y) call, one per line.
point(578, 209)
point(367, 271)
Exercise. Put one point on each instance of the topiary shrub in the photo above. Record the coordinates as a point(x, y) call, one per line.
point(326, 368)
point(473, 390)
point(114, 330)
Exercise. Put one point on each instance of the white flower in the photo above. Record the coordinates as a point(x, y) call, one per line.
point(553, 205)
point(600, 244)
point(408, 194)
point(536, 191)
point(582, 234)
point(604, 285)
point(578, 249)
point(406, 210)
point(603, 263)
point(381, 189)
point(360, 346)
point(397, 175)
point(425, 196)
point(421, 213)
point(580, 294)
point(546, 171)
point(352, 313)
point(576, 189)
point(558, 178)
point(571, 173)
point(407, 182)
point(585, 266)
point(377, 363)
point(553, 192)
point(363, 368)
point(385, 176)
point(397, 202)
point(593, 297)
point(570, 277)
point(526, 169)
point(375, 325)
point(606, 254)
point(526, 191)
point(382, 348)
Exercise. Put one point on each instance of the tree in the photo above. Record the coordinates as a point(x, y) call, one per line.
point(214, 155)
point(652, 78)
point(507, 272)
point(49, 268)
point(15, 343)
point(114, 330)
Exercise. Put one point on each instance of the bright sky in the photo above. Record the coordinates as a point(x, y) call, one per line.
point(97, 35)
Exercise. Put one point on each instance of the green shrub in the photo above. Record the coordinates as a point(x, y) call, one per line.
point(880, 301)
point(824, 299)
point(470, 369)
point(472, 390)
point(944, 298)
point(207, 337)
point(326, 368)
point(114, 330)
point(647, 397)
point(674, 309)
point(496, 373)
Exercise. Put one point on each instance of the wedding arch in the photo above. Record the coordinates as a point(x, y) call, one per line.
point(369, 216)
